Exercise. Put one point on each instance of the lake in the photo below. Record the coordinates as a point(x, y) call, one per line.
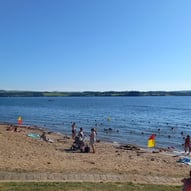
point(116, 119)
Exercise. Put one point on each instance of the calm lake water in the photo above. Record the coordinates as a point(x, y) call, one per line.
point(132, 119)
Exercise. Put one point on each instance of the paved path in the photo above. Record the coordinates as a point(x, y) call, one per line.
point(66, 177)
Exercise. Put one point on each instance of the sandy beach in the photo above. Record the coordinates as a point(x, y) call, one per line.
point(20, 153)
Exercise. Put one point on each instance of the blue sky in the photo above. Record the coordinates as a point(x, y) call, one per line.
point(95, 45)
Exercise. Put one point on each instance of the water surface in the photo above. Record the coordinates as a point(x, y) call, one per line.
point(132, 119)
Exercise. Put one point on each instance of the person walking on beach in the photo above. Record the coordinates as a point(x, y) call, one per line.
point(93, 139)
point(187, 147)
point(187, 183)
point(73, 130)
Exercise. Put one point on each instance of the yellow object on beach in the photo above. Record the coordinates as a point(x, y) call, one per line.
point(151, 143)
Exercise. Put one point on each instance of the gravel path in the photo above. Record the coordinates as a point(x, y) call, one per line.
point(66, 177)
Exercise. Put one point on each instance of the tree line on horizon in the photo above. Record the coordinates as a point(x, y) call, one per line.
point(4, 93)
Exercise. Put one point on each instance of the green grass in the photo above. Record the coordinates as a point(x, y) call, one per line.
point(52, 186)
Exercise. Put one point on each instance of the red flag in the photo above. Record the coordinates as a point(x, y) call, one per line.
point(152, 136)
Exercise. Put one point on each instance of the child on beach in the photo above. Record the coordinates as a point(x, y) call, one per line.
point(93, 139)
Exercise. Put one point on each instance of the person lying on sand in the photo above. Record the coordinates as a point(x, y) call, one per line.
point(13, 128)
point(43, 137)
point(10, 128)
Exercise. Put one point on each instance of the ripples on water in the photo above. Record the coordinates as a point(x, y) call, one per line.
point(119, 119)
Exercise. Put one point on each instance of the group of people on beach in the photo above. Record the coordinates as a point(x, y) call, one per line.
point(80, 136)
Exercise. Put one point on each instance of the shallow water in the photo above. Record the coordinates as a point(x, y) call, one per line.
point(117, 119)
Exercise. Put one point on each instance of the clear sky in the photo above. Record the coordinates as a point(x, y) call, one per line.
point(95, 45)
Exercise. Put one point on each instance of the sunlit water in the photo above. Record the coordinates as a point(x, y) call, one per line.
point(130, 119)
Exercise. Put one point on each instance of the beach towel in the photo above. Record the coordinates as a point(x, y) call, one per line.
point(185, 160)
point(33, 135)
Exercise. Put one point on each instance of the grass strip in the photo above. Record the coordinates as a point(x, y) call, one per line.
point(68, 186)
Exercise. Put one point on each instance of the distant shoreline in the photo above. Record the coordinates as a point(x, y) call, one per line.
point(5, 93)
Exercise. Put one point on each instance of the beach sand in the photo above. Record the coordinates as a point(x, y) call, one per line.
point(20, 153)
